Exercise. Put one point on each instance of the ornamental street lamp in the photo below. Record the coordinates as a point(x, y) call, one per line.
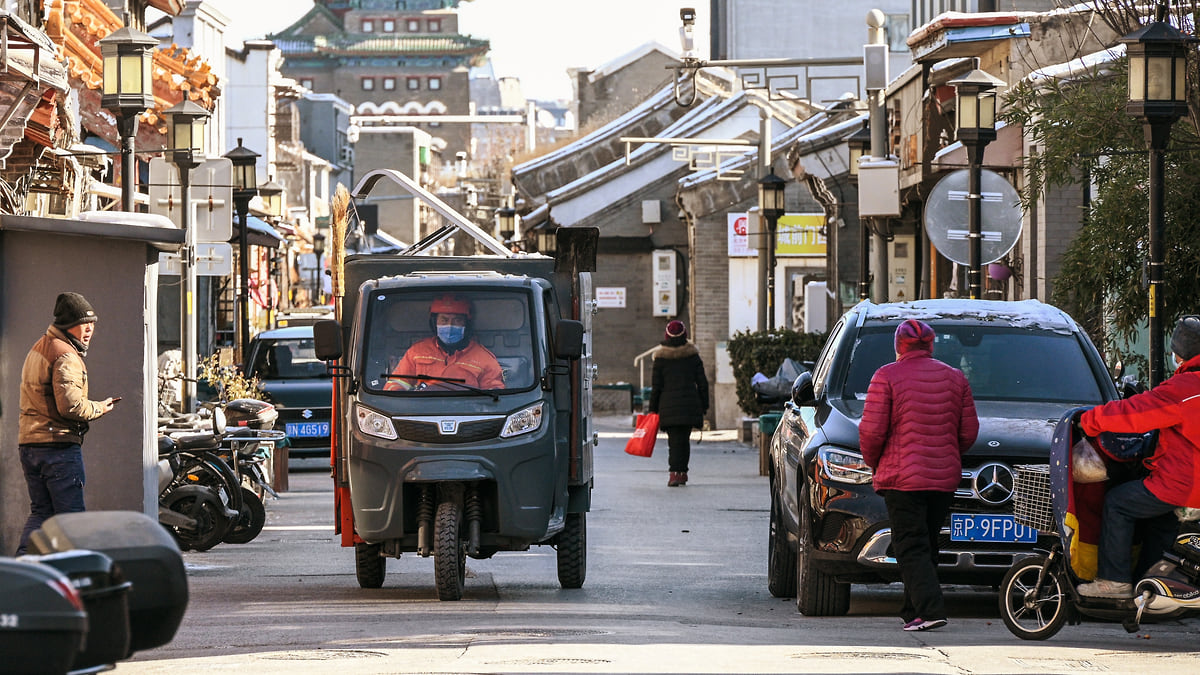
point(859, 144)
point(771, 205)
point(245, 187)
point(128, 92)
point(186, 124)
point(547, 241)
point(1157, 96)
point(272, 198)
point(318, 250)
point(506, 219)
point(976, 123)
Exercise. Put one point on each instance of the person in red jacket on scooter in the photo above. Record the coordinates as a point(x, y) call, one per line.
point(1173, 407)
point(917, 422)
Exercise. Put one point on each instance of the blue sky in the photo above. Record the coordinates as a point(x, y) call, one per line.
point(534, 40)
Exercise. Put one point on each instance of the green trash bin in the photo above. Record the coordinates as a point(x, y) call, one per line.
point(767, 423)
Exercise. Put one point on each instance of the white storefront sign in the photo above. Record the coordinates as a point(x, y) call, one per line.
point(610, 297)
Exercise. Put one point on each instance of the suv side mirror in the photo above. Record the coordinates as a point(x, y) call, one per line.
point(327, 339)
point(802, 390)
point(568, 339)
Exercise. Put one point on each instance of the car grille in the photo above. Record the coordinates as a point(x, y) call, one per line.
point(467, 430)
point(988, 487)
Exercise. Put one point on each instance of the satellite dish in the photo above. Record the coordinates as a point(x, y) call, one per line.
point(947, 222)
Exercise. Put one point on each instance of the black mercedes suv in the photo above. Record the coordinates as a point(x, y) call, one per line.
point(1027, 363)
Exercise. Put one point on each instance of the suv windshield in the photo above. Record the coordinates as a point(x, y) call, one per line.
point(1001, 363)
point(423, 342)
point(288, 359)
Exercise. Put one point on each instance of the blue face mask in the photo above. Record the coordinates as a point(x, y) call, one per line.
point(451, 334)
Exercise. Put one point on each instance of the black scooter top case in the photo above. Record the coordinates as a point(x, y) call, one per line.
point(147, 555)
point(41, 630)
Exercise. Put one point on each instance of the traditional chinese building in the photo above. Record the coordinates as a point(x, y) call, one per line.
point(400, 62)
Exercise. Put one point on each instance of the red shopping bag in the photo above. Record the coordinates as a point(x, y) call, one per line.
point(642, 441)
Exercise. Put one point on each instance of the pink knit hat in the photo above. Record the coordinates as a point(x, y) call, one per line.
point(913, 334)
point(676, 329)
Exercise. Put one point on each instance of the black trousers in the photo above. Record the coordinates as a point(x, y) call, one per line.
point(679, 447)
point(917, 519)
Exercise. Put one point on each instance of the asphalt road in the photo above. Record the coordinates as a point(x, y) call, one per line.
point(676, 583)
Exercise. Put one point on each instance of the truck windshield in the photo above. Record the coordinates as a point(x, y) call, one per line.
point(438, 342)
point(1001, 363)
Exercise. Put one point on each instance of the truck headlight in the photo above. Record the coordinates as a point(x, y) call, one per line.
point(523, 422)
point(374, 424)
point(843, 466)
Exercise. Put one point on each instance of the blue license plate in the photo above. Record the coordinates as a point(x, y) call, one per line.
point(993, 528)
point(307, 429)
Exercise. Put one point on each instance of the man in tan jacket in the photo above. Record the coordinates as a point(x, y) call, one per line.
point(55, 412)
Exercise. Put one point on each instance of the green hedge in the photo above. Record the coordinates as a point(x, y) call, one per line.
point(763, 352)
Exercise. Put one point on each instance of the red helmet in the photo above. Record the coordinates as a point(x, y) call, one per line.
point(450, 304)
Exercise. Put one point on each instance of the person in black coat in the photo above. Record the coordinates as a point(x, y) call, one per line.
point(679, 395)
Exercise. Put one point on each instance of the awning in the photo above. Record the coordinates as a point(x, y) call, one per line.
point(258, 233)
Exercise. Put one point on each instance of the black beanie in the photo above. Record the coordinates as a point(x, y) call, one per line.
point(1185, 341)
point(72, 309)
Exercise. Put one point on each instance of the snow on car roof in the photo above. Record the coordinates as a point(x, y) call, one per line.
point(1019, 314)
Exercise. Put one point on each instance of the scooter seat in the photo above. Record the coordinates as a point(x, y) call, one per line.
point(198, 441)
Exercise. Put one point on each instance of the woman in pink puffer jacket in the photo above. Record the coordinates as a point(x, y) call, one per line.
point(918, 421)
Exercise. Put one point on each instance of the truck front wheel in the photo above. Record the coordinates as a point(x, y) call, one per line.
point(449, 551)
point(572, 551)
point(369, 565)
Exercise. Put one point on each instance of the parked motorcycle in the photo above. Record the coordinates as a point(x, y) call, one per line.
point(195, 487)
point(1038, 594)
point(228, 460)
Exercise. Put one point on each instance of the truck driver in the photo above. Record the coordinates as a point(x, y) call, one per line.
point(451, 353)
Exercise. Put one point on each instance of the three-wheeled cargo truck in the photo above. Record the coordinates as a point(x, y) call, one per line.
point(462, 452)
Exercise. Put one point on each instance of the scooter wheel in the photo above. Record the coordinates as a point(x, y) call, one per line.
point(211, 523)
point(1032, 610)
point(250, 520)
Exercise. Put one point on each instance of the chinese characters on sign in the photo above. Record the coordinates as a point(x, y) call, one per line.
point(611, 297)
point(797, 234)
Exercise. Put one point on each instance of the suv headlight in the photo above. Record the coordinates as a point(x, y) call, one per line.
point(523, 422)
point(374, 424)
point(843, 466)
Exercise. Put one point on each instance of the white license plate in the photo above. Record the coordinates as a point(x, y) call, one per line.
point(992, 528)
point(307, 429)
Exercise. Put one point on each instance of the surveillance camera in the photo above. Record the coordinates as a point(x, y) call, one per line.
point(688, 14)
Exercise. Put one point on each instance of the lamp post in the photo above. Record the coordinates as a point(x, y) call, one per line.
point(318, 250)
point(770, 204)
point(271, 194)
point(186, 130)
point(1157, 96)
point(547, 242)
point(976, 127)
point(128, 92)
point(245, 187)
point(506, 219)
point(859, 144)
